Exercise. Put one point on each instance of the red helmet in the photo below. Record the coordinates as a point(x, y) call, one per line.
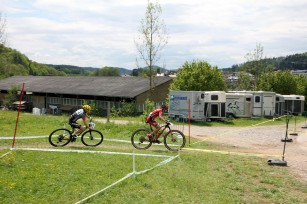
point(164, 108)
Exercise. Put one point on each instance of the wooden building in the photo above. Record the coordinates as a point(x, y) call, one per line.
point(62, 93)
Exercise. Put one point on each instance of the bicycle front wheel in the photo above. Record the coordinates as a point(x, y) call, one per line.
point(60, 137)
point(174, 140)
point(140, 140)
point(92, 138)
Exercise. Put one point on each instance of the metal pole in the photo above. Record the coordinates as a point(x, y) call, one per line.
point(133, 164)
point(286, 137)
point(17, 119)
point(189, 123)
point(108, 111)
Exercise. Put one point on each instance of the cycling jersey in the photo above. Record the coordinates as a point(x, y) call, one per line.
point(77, 115)
point(155, 113)
point(151, 117)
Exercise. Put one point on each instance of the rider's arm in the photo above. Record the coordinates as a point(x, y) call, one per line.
point(161, 117)
point(85, 123)
point(88, 116)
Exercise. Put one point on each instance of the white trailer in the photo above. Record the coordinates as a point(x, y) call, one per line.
point(239, 105)
point(294, 104)
point(215, 105)
point(198, 105)
point(263, 102)
point(279, 105)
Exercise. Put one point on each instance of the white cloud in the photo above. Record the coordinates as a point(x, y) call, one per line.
point(101, 33)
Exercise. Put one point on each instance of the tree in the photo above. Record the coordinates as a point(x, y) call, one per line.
point(240, 81)
point(282, 82)
point(301, 85)
point(152, 38)
point(107, 71)
point(198, 76)
point(254, 60)
point(2, 29)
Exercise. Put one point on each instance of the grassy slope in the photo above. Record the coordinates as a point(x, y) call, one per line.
point(49, 177)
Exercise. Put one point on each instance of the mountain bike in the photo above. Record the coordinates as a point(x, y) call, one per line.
point(173, 140)
point(62, 136)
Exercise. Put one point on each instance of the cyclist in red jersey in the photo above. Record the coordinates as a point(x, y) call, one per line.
point(151, 120)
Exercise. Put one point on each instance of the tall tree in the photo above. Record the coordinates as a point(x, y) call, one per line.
point(198, 76)
point(2, 29)
point(254, 64)
point(152, 38)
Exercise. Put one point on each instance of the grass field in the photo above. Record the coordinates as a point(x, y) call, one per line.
point(70, 174)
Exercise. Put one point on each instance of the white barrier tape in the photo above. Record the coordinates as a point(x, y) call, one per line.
point(89, 151)
point(235, 153)
point(127, 176)
point(5, 154)
point(160, 164)
point(238, 130)
point(36, 137)
point(23, 137)
point(122, 179)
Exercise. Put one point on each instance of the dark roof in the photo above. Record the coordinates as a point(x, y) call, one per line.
point(127, 87)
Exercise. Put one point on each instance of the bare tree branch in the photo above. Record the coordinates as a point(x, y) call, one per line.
point(152, 37)
point(2, 29)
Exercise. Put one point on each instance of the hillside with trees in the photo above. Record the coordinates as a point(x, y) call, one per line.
point(290, 62)
point(12, 62)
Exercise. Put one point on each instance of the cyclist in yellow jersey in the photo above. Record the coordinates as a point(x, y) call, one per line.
point(81, 113)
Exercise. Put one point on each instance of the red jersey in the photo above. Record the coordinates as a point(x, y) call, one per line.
point(155, 113)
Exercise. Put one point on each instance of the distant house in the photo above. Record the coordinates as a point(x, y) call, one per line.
point(66, 93)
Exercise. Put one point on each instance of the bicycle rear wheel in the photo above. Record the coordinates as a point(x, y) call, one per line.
point(60, 137)
point(92, 138)
point(140, 140)
point(174, 140)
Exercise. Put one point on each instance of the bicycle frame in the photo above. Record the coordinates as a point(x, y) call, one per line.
point(173, 140)
point(91, 124)
point(162, 129)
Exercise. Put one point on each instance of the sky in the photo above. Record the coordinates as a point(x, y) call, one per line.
point(99, 33)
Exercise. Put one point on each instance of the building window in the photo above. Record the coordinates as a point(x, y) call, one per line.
point(54, 100)
point(257, 99)
point(214, 97)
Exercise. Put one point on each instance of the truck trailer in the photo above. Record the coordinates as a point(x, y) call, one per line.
point(197, 105)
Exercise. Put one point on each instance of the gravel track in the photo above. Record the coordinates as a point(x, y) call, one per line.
point(261, 140)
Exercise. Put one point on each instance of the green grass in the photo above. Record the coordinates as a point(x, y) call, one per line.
point(194, 177)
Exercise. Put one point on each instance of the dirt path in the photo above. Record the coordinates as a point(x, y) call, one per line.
point(261, 140)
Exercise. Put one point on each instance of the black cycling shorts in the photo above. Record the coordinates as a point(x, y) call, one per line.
point(74, 124)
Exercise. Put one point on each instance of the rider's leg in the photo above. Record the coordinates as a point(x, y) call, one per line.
point(155, 125)
point(81, 129)
point(76, 128)
point(155, 132)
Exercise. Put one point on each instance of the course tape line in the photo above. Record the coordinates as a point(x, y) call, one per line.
point(5, 154)
point(127, 176)
point(239, 129)
point(113, 184)
point(23, 137)
point(160, 164)
point(234, 153)
point(37, 137)
point(89, 151)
